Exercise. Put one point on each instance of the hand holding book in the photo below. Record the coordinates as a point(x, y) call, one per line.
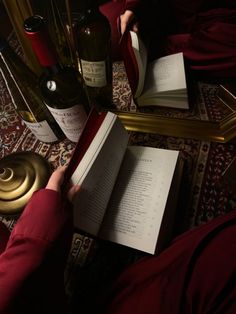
point(125, 20)
point(127, 194)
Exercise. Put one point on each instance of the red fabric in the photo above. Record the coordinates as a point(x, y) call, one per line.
point(4, 236)
point(112, 10)
point(31, 267)
point(210, 48)
point(196, 274)
point(204, 30)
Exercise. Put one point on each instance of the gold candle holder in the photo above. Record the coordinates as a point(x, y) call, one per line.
point(21, 174)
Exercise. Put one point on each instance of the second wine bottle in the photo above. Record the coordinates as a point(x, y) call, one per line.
point(94, 49)
point(61, 87)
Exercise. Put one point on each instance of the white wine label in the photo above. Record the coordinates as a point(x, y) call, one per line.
point(42, 131)
point(94, 73)
point(71, 120)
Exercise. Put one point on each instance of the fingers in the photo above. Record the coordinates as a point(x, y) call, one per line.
point(125, 20)
point(73, 192)
point(135, 27)
point(56, 179)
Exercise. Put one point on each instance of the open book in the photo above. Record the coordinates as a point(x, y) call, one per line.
point(161, 82)
point(128, 194)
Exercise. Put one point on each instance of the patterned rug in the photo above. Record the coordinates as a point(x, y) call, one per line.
point(202, 197)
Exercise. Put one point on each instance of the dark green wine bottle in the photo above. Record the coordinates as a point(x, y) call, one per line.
point(26, 97)
point(94, 51)
point(61, 87)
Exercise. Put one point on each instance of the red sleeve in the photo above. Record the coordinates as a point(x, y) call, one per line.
point(197, 271)
point(4, 237)
point(33, 235)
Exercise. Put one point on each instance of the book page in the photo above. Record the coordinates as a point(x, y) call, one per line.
point(138, 201)
point(140, 53)
point(96, 174)
point(165, 74)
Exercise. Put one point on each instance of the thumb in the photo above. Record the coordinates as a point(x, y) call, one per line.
point(71, 194)
point(56, 179)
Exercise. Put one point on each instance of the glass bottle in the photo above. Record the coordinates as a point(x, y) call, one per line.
point(94, 50)
point(58, 33)
point(24, 91)
point(61, 87)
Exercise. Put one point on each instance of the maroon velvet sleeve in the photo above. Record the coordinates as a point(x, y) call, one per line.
point(196, 272)
point(4, 236)
point(38, 228)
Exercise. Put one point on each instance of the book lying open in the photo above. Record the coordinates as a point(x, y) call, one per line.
point(127, 194)
point(161, 82)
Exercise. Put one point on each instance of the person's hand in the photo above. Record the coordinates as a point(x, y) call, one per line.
point(125, 20)
point(72, 192)
point(56, 180)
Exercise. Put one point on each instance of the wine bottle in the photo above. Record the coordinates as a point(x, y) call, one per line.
point(61, 87)
point(94, 50)
point(57, 32)
point(26, 97)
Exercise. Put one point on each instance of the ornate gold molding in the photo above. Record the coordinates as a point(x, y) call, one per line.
point(222, 131)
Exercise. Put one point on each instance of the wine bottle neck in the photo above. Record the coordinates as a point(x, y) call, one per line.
point(89, 15)
point(41, 43)
point(53, 69)
point(13, 63)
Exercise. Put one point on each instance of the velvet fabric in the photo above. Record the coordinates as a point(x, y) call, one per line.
point(204, 30)
point(195, 274)
point(4, 236)
point(210, 48)
point(32, 265)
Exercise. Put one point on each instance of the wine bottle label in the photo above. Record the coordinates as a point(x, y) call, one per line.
point(71, 120)
point(42, 131)
point(94, 73)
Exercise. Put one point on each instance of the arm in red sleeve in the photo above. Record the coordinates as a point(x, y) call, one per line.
point(39, 226)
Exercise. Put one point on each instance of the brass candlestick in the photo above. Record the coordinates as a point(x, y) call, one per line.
point(21, 174)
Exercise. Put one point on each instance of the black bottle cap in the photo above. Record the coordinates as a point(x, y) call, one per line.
point(34, 23)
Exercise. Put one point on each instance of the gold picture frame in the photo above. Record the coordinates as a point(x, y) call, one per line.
point(222, 131)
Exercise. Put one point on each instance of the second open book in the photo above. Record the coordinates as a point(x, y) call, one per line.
point(161, 82)
point(128, 194)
